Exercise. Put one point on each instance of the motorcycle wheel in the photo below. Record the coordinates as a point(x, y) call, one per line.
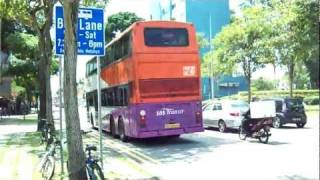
point(263, 138)
point(242, 133)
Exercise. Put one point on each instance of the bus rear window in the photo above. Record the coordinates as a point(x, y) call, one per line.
point(166, 37)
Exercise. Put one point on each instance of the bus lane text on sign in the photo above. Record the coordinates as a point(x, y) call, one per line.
point(90, 31)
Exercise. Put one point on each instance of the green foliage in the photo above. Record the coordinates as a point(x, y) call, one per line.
point(240, 43)
point(262, 84)
point(202, 41)
point(16, 89)
point(119, 22)
point(295, 37)
point(16, 10)
point(280, 32)
point(311, 100)
point(307, 25)
point(302, 77)
point(281, 93)
point(94, 3)
point(22, 45)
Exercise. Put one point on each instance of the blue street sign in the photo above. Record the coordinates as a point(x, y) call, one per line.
point(90, 31)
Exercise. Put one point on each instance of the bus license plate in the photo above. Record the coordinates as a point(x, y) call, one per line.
point(171, 126)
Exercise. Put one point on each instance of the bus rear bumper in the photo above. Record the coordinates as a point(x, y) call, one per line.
point(169, 132)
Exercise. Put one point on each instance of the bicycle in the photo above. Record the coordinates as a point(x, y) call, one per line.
point(46, 134)
point(47, 164)
point(92, 167)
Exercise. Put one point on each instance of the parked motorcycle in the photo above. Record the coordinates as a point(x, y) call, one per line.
point(256, 128)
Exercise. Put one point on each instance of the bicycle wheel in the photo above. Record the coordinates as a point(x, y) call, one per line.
point(95, 172)
point(48, 168)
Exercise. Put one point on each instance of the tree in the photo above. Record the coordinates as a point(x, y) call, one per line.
point(294, 38)
point(37, 15)
point(119, 22)
point(262, 84)
point(203, 43)
point(302, 77)
point(242, 44)
point(307, 25)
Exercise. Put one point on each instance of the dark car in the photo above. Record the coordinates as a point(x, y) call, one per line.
point(289, 110)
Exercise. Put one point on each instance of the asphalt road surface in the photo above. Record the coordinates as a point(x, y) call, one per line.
point(291, 153)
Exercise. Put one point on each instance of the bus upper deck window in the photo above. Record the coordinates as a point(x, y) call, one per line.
point(166, 37)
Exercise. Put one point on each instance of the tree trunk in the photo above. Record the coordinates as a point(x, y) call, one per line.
point(291, 76)
point(42, 95)
point(249, 89)
point(76, 157)
point(45, 49)
point(0, 49)
point(44, 77)
point(247, 73)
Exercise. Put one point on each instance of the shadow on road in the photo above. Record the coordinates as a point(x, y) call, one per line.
point(271, 142)
point(293, 127)
point(184, 148)
point(233, 131)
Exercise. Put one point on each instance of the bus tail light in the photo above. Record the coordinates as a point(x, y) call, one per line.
point(198, 117)
point(142, 119)
point(234, 114)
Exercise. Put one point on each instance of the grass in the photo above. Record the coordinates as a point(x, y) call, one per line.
point(31, 139)
point(19, 120)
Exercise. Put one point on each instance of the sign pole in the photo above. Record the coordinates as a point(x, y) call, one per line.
point(211, 62)
point(99, 108)
point(60, 111)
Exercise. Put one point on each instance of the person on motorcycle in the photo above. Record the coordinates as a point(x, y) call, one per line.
point(247, 122)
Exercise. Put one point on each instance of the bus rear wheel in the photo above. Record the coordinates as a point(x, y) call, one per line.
point(122, 133)
point(112, 128)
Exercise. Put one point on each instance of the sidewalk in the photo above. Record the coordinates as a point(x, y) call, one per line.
point(20, 153)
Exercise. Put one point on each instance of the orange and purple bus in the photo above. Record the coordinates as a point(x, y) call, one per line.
point(151, 82)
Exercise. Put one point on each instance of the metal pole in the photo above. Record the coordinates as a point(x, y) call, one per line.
point(170, 11)
point(99, 108)
point(0, 50)
point(211, 63)
point(160, 11)
point(60, 112)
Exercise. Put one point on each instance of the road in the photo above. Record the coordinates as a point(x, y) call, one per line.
point(292, 153)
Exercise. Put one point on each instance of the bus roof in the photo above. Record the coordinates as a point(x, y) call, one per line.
point(144, 23)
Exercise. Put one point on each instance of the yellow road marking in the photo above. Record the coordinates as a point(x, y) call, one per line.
point(129, 151)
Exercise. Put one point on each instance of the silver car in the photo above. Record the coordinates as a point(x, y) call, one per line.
point(224, 114)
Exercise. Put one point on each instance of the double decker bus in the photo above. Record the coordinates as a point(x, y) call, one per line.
point(151, 79)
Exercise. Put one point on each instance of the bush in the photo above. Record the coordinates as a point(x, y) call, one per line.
point(262, 84)
point(312, 100)
point(282, 93)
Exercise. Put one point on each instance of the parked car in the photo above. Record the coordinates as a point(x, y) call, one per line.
point(224, 114)
point(289, 110)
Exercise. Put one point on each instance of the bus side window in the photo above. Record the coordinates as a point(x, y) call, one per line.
point(114, 97)
point(109, 98)
point(120, 100)
point(103, 98)
point(125, 96)
point(120, 96)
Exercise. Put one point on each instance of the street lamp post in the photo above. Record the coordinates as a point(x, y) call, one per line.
point(211, 62)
